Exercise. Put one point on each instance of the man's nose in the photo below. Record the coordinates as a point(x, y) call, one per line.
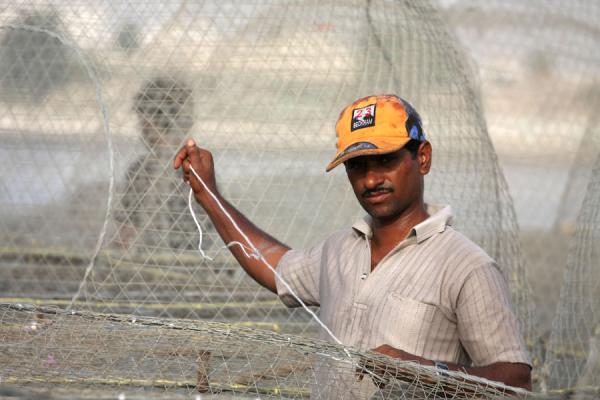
point(373, 178)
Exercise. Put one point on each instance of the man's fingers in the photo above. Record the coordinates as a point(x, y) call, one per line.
point(375, 370)
point(364, 365)
point(187, 173)
point(184, 153)
point(197, 166)
point(193, 153)
point(186, 177)
point(358, 371)
point(179, 157)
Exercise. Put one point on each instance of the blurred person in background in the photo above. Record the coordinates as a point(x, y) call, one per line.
point(153, 212)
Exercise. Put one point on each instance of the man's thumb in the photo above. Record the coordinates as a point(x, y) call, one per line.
point(193, 151)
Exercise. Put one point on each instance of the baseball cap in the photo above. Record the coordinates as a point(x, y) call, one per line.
point(372, 125)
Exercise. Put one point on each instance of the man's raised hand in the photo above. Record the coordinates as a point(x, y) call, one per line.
point(201, 160)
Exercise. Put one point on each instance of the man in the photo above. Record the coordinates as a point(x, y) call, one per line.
point(401, 281)
point(152, 213)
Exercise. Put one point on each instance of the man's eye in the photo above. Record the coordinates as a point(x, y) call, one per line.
point(352, 165)
point(388, 159)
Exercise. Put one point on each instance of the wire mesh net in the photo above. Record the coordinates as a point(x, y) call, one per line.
point(537, 68)
point(97, 98)
point(207, 357)
point(573, 353)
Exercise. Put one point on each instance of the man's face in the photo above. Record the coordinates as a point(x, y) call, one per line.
point(387, 185)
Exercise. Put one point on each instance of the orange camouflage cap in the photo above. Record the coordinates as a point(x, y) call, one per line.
point(372, 125)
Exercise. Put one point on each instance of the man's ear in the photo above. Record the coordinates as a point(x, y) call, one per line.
point(424, 157)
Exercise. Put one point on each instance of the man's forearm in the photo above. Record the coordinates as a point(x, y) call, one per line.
point(198, 171)
point(270, 248)
point(511, 374)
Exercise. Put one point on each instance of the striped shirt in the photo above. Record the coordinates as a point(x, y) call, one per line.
point(436, 294)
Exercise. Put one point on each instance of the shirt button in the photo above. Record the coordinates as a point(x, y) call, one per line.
point(363, 276)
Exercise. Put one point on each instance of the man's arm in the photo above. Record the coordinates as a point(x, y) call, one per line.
point(511, 374)
point(272, 250)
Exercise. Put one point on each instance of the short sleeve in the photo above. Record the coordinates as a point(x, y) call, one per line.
point(300, 270)
point(488, 328)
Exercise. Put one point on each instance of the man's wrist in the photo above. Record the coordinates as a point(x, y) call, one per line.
point(205, 199)
point(441, 367)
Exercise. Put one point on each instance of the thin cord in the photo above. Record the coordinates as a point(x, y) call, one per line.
point(190, 196)
point(255, 253)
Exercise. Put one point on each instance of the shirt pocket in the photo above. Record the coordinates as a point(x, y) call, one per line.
point(406, 323)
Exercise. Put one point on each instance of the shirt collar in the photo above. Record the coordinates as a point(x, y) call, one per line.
point(440, 216)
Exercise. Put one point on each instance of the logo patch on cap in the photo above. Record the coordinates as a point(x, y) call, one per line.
point(363, 117)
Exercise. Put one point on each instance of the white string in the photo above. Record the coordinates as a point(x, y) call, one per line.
point(190, 196)
point(255, 253)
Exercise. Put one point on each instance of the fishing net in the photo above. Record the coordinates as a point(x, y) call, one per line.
point(537, 66)
point(103, 287)
point(573, 353)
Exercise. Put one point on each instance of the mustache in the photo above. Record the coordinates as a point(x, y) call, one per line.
point(384, 187)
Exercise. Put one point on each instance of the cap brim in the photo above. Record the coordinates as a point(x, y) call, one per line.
point(363, 152)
